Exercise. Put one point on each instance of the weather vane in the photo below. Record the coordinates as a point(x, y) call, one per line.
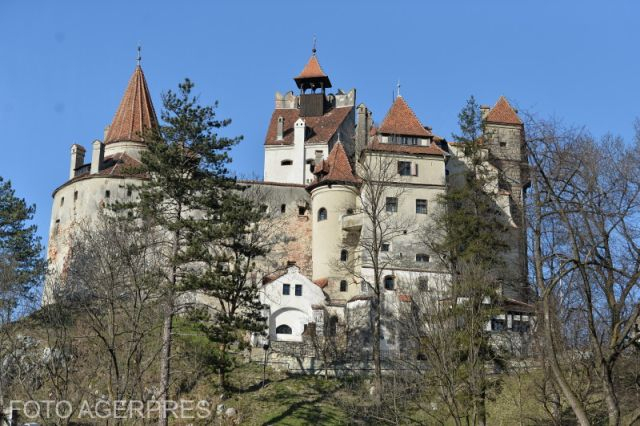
point(398, 86)
point(314, 44)
point(139, 58)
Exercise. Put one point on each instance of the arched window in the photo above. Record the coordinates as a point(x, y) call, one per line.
point(389, 282)
point(344, 255)
point(283, 329)
point(343, 285)
point(322, 214)
point(286, 162)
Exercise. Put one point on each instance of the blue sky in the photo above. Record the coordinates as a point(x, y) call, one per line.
point(64, 65)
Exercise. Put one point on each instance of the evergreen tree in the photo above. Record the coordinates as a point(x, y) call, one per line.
point(472, 247)
point(229, 275)
point(186, 163)
point(21, 263)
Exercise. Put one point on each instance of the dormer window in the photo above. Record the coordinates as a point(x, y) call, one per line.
point(286, 162)
point(404, 140)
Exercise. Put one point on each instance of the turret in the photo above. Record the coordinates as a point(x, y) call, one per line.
point(334, 198)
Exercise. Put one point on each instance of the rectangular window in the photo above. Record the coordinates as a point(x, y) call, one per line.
point(75, 195)
point(107, 194)
point(286, 289)
point(129, 192)
point(421, 206)
point(385, 247)
point(404, 168)
point(421, 257)
point(392, 204)
point(298, 289)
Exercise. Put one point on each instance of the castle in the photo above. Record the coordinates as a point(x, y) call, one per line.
point(319, 148)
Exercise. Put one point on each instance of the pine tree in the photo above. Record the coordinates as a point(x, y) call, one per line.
point(239, 239)
point(472, 246)
point(186, 163)
point(21, 263)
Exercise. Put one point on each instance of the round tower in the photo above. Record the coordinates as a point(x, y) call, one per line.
point(334, 220)
point(104, 178)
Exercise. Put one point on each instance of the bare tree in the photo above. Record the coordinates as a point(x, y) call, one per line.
point(382, 223)
point(586, 251)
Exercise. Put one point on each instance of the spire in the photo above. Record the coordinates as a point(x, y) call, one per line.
point(401, 120)
point(135, 113)
point(503, 113)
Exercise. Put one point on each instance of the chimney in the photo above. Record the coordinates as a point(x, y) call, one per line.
point(484, 111)
point(97, 156)
point(280, 130)
point(299, 131)
point(318, 158)
point(77, 159)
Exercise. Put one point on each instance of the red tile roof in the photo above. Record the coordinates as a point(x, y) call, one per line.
point(135, 113)
point(312, 69)
point(431, 149)
point(321, 282)
point(335, 169)
point(320, 129)
point(503, 113)
point(405, 298)
point(401, 120)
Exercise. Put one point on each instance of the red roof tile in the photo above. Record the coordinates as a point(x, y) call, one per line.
point(401, 120)
point(321, 282)
point(432, 149)
point(503, 113)
point(312, 69)
point(321, 128)
point(135, 113)
point(336, 168)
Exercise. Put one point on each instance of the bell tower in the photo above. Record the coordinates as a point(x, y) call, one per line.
point(312, 82)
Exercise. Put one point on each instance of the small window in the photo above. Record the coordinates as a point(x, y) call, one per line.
point(107, 194)
point(421, 257)
point(498, 324)
point(344, 255)
point(286, 162)
point(343, 285)
point(322, 214)
point(283, 329)
point(129, 192)
point(392, 204)
point(302, 210)
point(389, 282)
point(75, 195)
point(385, 247)
point(349, 211)
point(283, 208)
point(286, 289)
point(503, 144)
point(61, 201)
point(421, 206)
point(423, 282)
point(298, 289)
point(404, 168)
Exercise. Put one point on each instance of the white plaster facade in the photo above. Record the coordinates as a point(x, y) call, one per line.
point(293, 310)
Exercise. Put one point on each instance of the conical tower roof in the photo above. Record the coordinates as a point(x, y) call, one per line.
point(503, 113)
point(135, 113)
point(401, 120)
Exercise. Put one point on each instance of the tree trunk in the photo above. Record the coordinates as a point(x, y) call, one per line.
point(165, 362)
point(222, 368)
point(613, 407)
point(572, 399)
point(377, 361)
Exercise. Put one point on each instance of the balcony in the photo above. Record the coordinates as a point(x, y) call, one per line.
point(352, 222)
